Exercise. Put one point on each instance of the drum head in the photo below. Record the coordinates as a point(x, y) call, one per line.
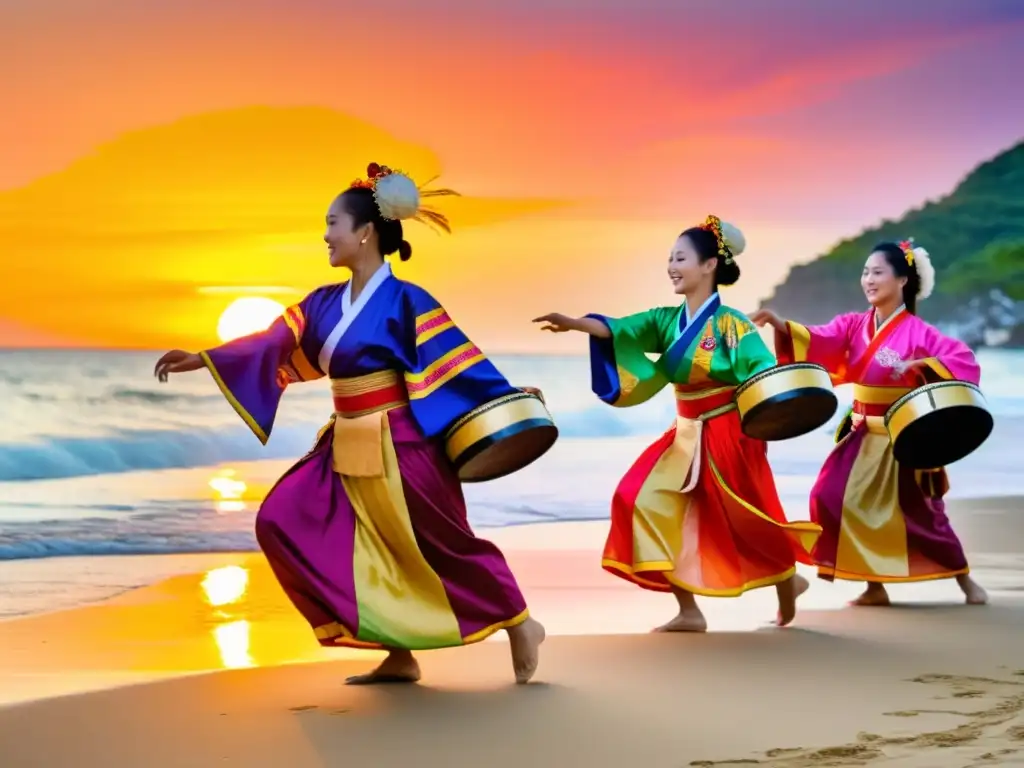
point(507, 451)
point(790, 414)
point(942, 437)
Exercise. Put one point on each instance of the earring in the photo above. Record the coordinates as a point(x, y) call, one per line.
point(363, 241)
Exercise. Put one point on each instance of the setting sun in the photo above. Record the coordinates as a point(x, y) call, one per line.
point(249, 314)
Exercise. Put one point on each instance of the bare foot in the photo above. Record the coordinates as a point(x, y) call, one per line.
point(788, 592)
point(972, 590)
point(525, 640)
point(874, 595)
point(688, 620)
point(397, 667)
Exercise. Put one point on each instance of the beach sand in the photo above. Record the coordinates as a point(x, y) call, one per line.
point(216, 668)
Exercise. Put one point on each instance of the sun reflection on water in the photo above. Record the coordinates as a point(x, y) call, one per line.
point(228, 490)
point(222, 587)
point(226, 585)
point(232, 641)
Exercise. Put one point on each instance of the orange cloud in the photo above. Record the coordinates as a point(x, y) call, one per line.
point(122, 240)
point(643, 118)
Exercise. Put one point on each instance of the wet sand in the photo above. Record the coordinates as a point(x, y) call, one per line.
point(927, 682)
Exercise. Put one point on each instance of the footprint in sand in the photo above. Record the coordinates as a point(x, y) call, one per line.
point(311, 707)
point(780, 751)
point(992, 733)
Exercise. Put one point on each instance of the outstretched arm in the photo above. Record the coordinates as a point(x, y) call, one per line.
point(557, 323)
point(621, 372)
point(252, 372)
point(827, 345)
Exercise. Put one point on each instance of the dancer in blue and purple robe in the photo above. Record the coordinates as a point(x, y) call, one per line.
point(368, 533)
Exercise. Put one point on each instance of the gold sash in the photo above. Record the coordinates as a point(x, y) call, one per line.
point(360, 404)
point(358, 445)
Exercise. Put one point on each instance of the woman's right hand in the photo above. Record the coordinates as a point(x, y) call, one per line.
point(177, 361)
point(556, 323)
point(765, 317)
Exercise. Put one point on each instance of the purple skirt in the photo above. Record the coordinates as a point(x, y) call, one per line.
point(881, 522)
point(386, 562)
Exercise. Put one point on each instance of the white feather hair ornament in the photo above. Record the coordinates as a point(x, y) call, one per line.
point(399, 198)
point(918, 257)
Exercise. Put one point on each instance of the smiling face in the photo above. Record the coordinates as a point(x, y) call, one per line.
point(880, 284)
point(685, 269)
point(343, 240)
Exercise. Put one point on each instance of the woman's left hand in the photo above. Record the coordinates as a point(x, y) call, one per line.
point(533, 391)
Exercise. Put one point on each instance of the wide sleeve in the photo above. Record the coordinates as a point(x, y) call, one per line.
point(621, 373)
point(748, 354)
point(252, 372)
point(826, 345)
point(446, 374)
point(946, 358)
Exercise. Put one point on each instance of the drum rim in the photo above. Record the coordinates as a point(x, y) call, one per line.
point(791, 395)
point(490, 405)
point(482, 445)
point(780, 369)
point(930, 387)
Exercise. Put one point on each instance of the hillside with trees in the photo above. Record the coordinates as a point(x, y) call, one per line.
point(975, 236)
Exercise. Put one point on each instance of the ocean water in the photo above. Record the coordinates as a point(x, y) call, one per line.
point(98, 458)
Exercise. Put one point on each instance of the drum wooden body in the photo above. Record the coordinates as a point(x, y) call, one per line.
point(786, 401)
point(938, 424)
point(500, 437)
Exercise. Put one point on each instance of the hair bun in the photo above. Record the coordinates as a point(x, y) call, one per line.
point(404, 250)
point(733, 238)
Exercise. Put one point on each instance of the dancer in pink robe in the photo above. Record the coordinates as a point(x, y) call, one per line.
point(882, 523)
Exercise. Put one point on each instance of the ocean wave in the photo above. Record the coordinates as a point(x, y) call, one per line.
point(196, 527)
point(56, 546)
point(50, 458)
point(179, 513)
point(129, 450)
point(77, 414)
point(148, 397)
point(126, 450)
point(191, 527)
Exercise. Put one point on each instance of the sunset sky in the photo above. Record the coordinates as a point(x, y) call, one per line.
point(159, 159)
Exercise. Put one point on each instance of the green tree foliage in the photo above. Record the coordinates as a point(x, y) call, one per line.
point(975, 237)
point(1000, 265)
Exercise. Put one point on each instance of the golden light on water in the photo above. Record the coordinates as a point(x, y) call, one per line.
point(232, 641)
point(226, 486)
point(226, 585)
point(228, 490)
